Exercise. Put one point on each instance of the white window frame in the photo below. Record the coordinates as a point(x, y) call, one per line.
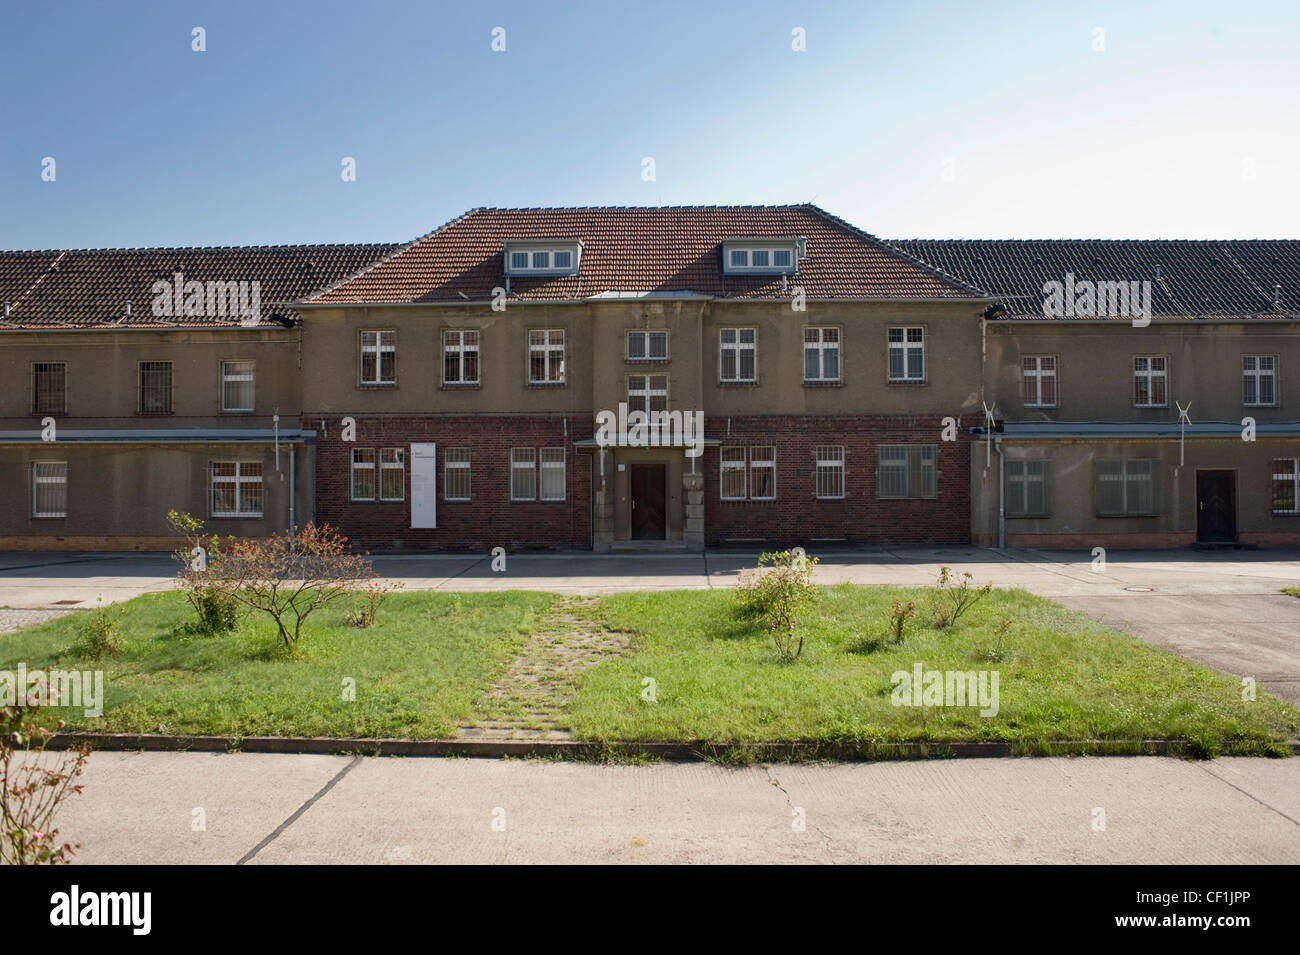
point(762, 457)
point(372, 467)
point(821, 346)
point(746, 250)
point(521, 460)
point(238, 479)
point(534, 254)
point(737, 348)
point(1151, 374)
point(731, 459)
point(1292, 477)
point(1019, 478)
point(551, 460)
point(831, 464)
point(236, 377)
point(645, 337)
point(456, 467)
point(910, 338)
point(385, 343)
point(1255, 377)
point(552, 341)
point(1033, 377)
point(456, 344)
point(55, 473)
point(399, 465)
point(1128, 475)
point(643, 394)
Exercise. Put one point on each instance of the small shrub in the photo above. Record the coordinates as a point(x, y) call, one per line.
point(998, 653)
point(373, 595)
point(953, 596)
point(100, 636)
point(781, 593)
point(217, 610)
point(32, 787)
point(899, 614)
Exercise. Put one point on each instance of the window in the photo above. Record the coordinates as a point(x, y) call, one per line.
point(1286, 486)
point(237, 489)
point(552, 474)
point(155, 387)
point(541, 260)
point(50, 489)
point(907, 471)
point(1149, 375)
point(647, 346)
point(562, 259)
point(392, 474)
point(762, 473)
point(237, 386)
point(770, 257)
point(1026, 488)
point(558, 259)
point(546, 356)
point(821, 354)
point(830, 472)
point(907, 354)
point(455, 481)
point(740, 258)
point(781, 258)
point(363, 474)
point(733, 474)
point(738, 354)
point(1038, 381)
point(518, 261)
point(460, 358)
point(49, 388)
point(1126, 488)
point(647, 393)
point(523, 474)
point(1259, 380)
point(379, 358)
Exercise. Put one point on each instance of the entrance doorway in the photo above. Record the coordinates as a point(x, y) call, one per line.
point(1216, 506)
point(649, 491)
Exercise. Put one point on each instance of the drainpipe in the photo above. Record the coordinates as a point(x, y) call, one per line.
point(293, 488)
point(1002, 502)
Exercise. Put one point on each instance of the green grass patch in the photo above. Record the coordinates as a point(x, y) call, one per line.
point(420, 671)
point(1293, 591)
point(1061, 675)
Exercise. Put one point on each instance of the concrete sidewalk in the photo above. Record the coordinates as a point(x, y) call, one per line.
point(144, 807)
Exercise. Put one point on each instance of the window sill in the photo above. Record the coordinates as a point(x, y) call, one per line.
point(236, 517)
point(237, 414)
point(154, 414)
point(376, 386)
point(548, 384)
point(459, 386)
point(908, 382)
point(49, 414)
point(646, 361)
point(822, 384)
point(738, 384)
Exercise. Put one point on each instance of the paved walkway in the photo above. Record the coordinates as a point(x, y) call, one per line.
point(144, 807)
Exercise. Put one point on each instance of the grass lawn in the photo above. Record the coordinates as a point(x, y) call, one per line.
point(417, 673)
point(1061, 677)
point(1293, 591)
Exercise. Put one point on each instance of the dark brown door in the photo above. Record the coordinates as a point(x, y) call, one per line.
point(649, 485)
point(1216, 506)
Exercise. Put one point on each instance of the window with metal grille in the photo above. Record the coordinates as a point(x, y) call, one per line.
point(456, 474)
point(49, 388)
point(821, 354)
point(907, 354)
point(363, 474)
point(1126, 488)
point(378, 358)
point(647, 393)
point(1150, 373)
point(237, 386)
point(732, 474)
point(392, 474)
point(460, 357)
point(155, 387)
point(907, 471)
point(1259, 380)
point(1026, 488)
point(1286, 486)
point(830, 471)
point(1038, 381)
point(737, 354)
point(523, 474)
point(237, 489)
point(545, 356)
point(50, 489)
point(647, 346)
point(552, 474)
point(762, 473)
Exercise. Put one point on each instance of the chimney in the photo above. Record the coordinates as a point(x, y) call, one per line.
point(1157, 271)
point(6, 311)
point(1277, 298)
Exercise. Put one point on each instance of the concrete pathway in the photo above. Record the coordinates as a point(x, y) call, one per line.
point(149, 807)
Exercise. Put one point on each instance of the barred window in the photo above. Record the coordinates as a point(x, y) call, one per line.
point(456, 474)
point(733, 474)
point(237, 386)
point(907, 471)
point(907, 354)
point(1259, 380)
point(49, 388)
point(647, 346)
point(821, 354)
point(237, 489)
point(363, 474)
point(379, 358)
point(1026, 488)
point(392, 474)
point(460, 357)
point(546, 356)
point(1126, 488)
point(737, 354)
point(762, 473)
point(50, 489)
point(1286, 486)
point(552, 474)
point(523, 474)
point(155, 387)
point(1038, 381)
point(1150, 374)
point(647, 393)
point(830, 472)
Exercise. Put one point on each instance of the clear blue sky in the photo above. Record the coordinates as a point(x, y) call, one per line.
point(1185, 126)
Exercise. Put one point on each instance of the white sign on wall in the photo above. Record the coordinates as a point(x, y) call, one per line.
point(424, 485)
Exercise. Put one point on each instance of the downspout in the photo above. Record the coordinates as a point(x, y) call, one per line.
point(1002, 501)
point(293, 489)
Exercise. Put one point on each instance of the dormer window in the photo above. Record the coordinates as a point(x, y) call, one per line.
point(542, 256)
point(761, 256)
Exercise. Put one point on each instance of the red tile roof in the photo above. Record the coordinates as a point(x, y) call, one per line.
point(631, 249)
point(89, 288)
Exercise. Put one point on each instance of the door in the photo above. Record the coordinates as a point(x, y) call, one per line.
point(1216, 506)
point(649, 488)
